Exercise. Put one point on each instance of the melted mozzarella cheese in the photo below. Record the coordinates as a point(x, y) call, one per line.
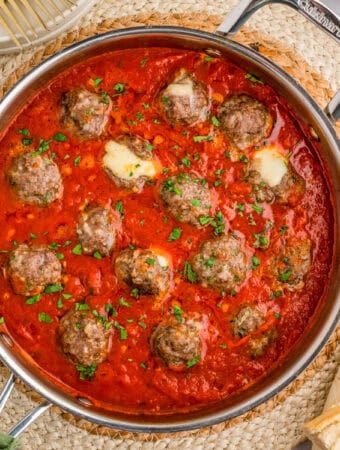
point(163, 262)
point(183, 88)
point(124, 163)
point(271, 165)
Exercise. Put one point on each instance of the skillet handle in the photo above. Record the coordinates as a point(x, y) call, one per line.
point(314, 10)
point(28, 419)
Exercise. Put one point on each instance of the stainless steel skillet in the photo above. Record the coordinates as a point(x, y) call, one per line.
point(214, 44)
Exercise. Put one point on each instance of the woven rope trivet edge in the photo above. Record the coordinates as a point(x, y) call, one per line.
point(282, 55)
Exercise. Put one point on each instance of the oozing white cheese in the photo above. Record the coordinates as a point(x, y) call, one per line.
point(182, 88)
point(163, 262)
point(271, 165)
point(124, 163)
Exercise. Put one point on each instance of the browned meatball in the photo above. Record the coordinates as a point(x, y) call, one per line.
point(177, 344)
point(36, 179)
point(83, 338)
point(185, 100)
point(31, 269)
point(85, 113)
point(247, 320)
point(245, 120)
point(186, 198)
point(292, 264)
point(143, 270)
point(136, 177)
point(96, 230)
point(221, 263)
point(279, 185)
point(259, 344)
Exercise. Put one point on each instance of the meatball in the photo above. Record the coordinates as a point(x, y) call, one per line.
point(185, 100)
point(36, 179)
point(96, 230)
point(259, 344)
point(247, 320)
point(245, 120)
point(221, 263)
point(85, 113)
point(176, 343)
point(186, 198)
point(272, 177)
point(129, 162)
point(144, 270)
point(83, 338)
point(31, 269)
point(292, 264)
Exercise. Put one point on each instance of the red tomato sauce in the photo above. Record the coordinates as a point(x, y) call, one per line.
point(132, 378)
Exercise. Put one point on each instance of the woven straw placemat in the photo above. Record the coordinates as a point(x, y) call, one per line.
point(274, 425)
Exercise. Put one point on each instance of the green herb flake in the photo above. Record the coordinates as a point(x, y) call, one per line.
point(244, 159)
point(24, 131)
point(215, 121)
point(77, 250)
point(60, 137)
point(82, 306)
point(193, 361)
point(208, 58)
point(76, 161)
point(122, 302)
point(283, 229)
point(143, 62)
point(34, 299)
point(52, 288)
point(43, 147)
point(255, 262)
point(60, 255)
point(104, 98)
point(150, 261)
point(140, 116)
point(119, 207)
point(97, 81)
point(143, 365)
point(97, 255)
point(277, 315)
point(135, 292)
point(284, 277)
point(123, 332)
point(33, 236)
point(253, 78)
point(110, 309)
point(177, 312)
point(223, 345)
point(276, 294)
point(203, 138)
point(195, 202)
point(189, 273)
point(86, 372)
point(186, 162)
point(66, 296)
point(2, 320)
point(60, 303)
point(257, 208)
point(175, 234)
point(119, 87)
point(142, 324)
point(44, 317)
point(27, 142)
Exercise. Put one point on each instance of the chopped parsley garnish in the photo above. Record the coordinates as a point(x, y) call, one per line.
point(33, 236)
point(119, 207)
point(283, 229)
point(208, 58)
point(145, 106)
point(34, 299)
point(210, 262)
point(27, 142)
point(244, 159)
point(284, 277)
point(110, 309)
point(77, 250)
point(60, 137)
point(215, 121)
point(224, 346)
point(186, 162)
point(276, 294)
point(66, 296)
point(143, 62)
point(2, 320)
point(122, 302)
point(216, 222)
point(150, 261)
point(53, 246)
point(119, 87)
point(77, 160)
point(253, 78)
point(82, 306)
point(142, 324)
point(277, 315)
point(255, 262)
point(140, 116)
point(24, 131)
point(52, 288)
point(123, 332)
point(177, 311)
point(104, 97)
point(135, 292)
point(149, 147)
point(44, 317)
point(86, 372)
point(195, 202)
point(261, 241)
point(193, 361)
point(202, 138)
point(60, 303)
point(240, 208)
point(43, 147)
point(156, 121)
point(97, 81)
point(257, 208)
point(175, 234)
point(97, 255)
point(60, 255)
point(189, 273)
point(165, 100)
point(143, 365)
